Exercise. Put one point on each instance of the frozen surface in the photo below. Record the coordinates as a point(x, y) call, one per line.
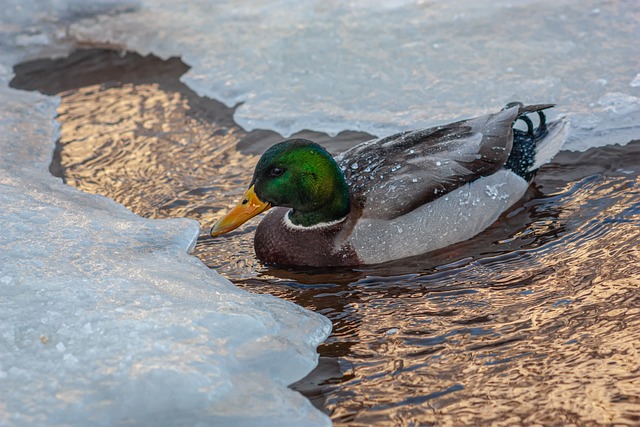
point(375, 66)
point(381, 66)
point(104, 318)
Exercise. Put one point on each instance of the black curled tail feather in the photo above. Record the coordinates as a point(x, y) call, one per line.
point(523, 153)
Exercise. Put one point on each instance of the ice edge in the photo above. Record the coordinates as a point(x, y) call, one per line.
point(60, 241)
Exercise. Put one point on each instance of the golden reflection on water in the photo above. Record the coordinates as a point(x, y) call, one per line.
point(142, 146)
point(534, 322)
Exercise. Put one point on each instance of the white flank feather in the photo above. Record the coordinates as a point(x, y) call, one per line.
point(551, 144)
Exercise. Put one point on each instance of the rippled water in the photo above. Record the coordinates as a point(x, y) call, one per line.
point(535, 321)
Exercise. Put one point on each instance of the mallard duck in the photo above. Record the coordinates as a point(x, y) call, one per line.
point(393, 197)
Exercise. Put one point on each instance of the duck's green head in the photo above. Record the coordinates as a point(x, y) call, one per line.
point(296, 173)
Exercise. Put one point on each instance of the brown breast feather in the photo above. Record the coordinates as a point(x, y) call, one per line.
point(276, 243)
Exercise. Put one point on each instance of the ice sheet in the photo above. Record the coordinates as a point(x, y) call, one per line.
point(381, 67)
point(104, 318)
point(376, 66)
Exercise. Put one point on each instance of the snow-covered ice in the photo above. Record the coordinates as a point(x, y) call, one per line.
point(375, 66)
point(382, 67)
point(105, 319)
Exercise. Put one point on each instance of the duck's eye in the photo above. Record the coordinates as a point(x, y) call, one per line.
point(276, 171)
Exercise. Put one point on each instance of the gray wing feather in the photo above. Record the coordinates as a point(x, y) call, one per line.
point(391, 176)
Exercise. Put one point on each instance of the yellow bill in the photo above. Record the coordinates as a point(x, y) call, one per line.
point(249, 206)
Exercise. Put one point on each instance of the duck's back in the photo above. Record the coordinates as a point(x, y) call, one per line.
point(391, 176)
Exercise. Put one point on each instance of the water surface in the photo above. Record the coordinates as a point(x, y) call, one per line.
point(534, 321)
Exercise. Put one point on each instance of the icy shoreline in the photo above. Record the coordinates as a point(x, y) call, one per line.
point(104, 317)
point(385, 66)
point(375, 66)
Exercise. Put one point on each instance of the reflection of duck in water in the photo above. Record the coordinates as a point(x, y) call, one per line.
point(394, 197)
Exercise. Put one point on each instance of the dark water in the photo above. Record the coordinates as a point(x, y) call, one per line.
point(534, 322)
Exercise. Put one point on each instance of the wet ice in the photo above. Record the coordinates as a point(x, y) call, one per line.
point(104, 318)
point(549, 47)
